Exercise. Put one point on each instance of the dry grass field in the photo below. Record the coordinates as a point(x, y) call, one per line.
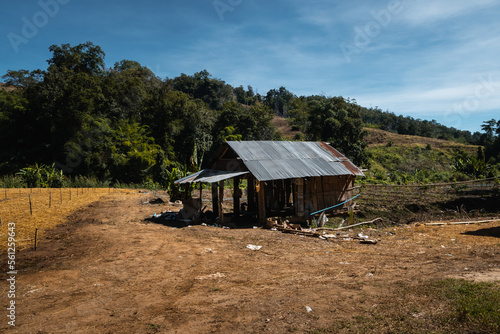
point(108, 269)
point(15, 207)
point(377, 137)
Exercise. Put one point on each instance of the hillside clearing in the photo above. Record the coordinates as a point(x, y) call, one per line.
point(377, 137)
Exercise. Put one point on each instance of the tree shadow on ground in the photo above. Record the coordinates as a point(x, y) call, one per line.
point(485, 232)
point(172, 219)
point(483, 204)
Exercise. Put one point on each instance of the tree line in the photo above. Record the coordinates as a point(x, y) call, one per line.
point(125, 124)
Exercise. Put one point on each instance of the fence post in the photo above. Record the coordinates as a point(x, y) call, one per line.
point(31, 208)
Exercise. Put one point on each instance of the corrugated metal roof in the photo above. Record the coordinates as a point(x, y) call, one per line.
point(274, 160)
point(281, 150)
point(209, 175)
point(345, 161)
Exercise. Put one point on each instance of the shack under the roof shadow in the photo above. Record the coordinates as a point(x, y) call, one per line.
point(284, 179)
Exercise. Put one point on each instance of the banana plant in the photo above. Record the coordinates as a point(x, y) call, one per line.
point(176, 191)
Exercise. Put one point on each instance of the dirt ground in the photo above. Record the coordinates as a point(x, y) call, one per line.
point(108, 270)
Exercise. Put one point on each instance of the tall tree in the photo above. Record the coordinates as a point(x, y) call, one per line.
point(279, 100)
point(338, 121)
point(82, 58)
point(201, 85)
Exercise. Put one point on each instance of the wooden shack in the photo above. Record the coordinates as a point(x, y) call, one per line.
point(284, 179)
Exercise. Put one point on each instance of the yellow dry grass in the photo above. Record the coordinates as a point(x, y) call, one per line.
point(377, 137)
point(15, 208)
point(282, 126)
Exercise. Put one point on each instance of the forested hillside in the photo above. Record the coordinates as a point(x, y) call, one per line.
point(123, 123)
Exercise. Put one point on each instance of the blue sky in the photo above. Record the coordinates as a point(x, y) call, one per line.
point(426, 59)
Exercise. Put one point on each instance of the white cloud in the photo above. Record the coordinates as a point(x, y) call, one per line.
point(428, 11)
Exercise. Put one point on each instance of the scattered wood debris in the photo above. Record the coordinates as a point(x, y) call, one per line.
point(285, 226)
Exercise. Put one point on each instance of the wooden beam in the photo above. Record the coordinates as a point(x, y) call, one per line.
point(463, 223)
point(358, 224)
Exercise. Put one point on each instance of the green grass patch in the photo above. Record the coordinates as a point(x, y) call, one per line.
point(474, 305)
point(444, 306)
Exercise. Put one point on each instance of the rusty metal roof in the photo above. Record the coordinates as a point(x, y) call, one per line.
point(274, 160)
point(210, 176)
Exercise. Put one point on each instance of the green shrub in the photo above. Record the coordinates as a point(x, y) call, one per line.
point(11, 181)
point(299, 136)
point(41, 176)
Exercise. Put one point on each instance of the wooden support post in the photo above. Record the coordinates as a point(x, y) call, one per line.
point(215, 198)
point(300, 204)
point(280, 194)
point(261, 201)
point(314, 193)
point(307, 197)
point(236, 197)
point(323, 198)
point(288, 192)
point(252, 204)
point(221, 202)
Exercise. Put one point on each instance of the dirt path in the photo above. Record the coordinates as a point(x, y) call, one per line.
point(109, 271)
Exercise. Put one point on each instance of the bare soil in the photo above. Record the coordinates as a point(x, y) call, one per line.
point(109, 270)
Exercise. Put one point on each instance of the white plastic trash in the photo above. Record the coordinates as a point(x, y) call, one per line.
point(322, 220)
point(253, 247)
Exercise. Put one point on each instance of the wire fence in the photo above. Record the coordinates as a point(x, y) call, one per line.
point(466, 199)
point(431, 192)
point(39, 209)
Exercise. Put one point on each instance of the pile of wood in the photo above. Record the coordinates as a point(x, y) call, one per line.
point(321, 232)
